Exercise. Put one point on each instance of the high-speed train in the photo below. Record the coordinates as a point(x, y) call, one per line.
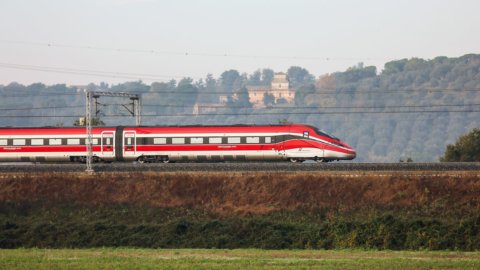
point(294, 142)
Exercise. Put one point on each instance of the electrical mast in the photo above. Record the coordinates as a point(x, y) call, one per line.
point(90, 95)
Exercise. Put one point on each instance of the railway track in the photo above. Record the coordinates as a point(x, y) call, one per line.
point(241, 167)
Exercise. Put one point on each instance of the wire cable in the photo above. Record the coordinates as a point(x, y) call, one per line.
point(95, 73)
point(245, 107)
point(248, 114)
point(337, 92)
point(188, 53)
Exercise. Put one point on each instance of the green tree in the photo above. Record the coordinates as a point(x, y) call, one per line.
point(255, 78)
point(267, 76)
point(302, 92)
point(242, 99)
point(268, 99)
point(393, 67)
point(228, 79)
point(356, 73)
point(185, 81)
point(467, 148)
point(137, 87)
point(299, 76)
point(186, 93)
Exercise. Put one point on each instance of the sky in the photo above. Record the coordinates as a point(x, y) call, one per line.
point(113, 41)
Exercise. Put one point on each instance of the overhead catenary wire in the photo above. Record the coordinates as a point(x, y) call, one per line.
point(187, 53)
point(320, 92)
point(42, 108)
point(95, 73)
point(250, 113)
point(320, 107)
point(245, 107)
point(346, 118)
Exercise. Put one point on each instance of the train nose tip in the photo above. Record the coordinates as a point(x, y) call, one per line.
point(353, 154)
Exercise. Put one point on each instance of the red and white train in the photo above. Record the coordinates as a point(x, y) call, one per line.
point(295, 142)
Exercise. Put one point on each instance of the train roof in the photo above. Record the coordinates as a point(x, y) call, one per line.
point(162, 126)
point(173, 128)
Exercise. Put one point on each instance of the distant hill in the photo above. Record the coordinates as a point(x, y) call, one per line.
point(443, 85)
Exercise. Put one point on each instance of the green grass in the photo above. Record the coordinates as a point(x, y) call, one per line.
point(128, 258)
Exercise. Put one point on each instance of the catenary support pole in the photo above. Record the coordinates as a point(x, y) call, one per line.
point(90, 95)
point(88, 125)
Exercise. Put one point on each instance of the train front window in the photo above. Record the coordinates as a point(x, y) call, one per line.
point(323, 133)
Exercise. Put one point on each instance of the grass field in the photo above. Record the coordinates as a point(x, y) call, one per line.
point(127, 258)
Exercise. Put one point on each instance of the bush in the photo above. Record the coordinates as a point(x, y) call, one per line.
point(467, 148)
point(80, 228)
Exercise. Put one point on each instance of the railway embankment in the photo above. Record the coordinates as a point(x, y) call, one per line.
point(384, 210)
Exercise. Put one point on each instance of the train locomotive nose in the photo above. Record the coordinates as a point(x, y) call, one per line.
point(353, 154)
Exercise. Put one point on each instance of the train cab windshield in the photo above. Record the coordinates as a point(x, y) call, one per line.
point(323, 133)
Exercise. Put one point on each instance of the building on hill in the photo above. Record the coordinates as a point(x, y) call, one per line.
point(279, 89)
point(209, 107)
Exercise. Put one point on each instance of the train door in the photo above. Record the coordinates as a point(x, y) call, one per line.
point(270, 149)
point(280, 146)
point(108, 144)
point(130, 144)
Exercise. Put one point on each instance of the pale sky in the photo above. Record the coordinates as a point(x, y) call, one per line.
point(123, 40)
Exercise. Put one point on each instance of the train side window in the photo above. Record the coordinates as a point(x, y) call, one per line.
point(129, 141)
point(55, 141)
point(73, 141)
point(159, 140)
point(233, 140)
point(36, 142)
point(18, 141)
point(268, 139)
point(198, 140)
point(216, 140)
point(3, 142)
point(178, 140)
point(305, 134)
point(253, 139)
point(95, 141)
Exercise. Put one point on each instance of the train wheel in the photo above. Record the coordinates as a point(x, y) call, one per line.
point(141, 160)
point(294, 160)
point(166, 161)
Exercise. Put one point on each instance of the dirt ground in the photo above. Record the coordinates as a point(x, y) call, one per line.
point(253, 193)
